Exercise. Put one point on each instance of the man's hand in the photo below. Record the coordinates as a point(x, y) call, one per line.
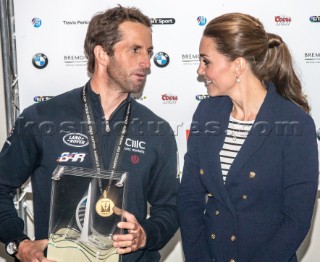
point(135, 239)
point(32, 251)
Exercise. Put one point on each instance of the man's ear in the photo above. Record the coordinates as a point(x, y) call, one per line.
point(240, 65)
point(101, 55)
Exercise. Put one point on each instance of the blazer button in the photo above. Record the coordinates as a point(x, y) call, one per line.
point(252, 174)
point(244, 197)
point(233, 238)
point(201, 171)
point(210, 195)
point(213, 236)
point(232, 260)
point(217, 212)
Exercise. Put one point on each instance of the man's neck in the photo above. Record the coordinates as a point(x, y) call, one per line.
point(110, 98)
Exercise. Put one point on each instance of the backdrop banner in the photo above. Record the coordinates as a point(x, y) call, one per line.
point(50, 38)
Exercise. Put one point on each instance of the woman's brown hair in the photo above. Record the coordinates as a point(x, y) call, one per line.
point(241, 35)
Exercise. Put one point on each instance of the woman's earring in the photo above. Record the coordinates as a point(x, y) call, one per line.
point(237, 79)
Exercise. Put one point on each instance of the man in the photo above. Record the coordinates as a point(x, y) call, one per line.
point(118, 46)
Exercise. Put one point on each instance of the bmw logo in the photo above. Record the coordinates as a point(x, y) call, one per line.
point(161, 59)
point(36, 22)
point(40, 61)
point(201, 20)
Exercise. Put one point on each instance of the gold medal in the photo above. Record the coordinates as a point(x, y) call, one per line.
point(104, 206)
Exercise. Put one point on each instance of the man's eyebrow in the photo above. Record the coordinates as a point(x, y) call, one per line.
point(140, 46)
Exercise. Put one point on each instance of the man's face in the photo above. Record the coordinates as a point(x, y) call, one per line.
point(129, 66)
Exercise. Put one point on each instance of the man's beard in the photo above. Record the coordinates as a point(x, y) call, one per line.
point(121, 78)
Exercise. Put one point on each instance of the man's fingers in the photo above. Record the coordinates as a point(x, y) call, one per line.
point(135, 238)
point(117, 211)
point(122, 251)
point(124, 237)
point(129, 217)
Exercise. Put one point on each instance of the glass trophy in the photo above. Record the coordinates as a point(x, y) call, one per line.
point(84, 212)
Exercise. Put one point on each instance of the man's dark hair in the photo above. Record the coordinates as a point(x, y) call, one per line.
point(103, 30)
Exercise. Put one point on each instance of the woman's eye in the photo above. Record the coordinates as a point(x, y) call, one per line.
point(206, 62)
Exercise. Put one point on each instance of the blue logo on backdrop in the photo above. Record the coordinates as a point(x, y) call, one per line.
point(201, 20)
point(315, 18)
point(40, 61)
point(161, 59)
point(38, 99)
point(36, 22)
point(201, 97)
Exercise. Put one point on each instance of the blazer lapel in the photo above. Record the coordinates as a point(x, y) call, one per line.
point(262, 127)
point(215, 143)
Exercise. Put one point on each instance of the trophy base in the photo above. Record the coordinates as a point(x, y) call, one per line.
point(65, 245)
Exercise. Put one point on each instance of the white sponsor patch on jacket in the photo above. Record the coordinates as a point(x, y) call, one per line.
point(135, 146)
point(76, 140)
point(73, 157)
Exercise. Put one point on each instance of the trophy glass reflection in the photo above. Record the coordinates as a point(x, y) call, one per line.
point(84, 212)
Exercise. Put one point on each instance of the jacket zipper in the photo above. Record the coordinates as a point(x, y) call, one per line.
point(107, 121)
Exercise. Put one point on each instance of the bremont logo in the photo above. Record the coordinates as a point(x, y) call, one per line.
point(312, 58)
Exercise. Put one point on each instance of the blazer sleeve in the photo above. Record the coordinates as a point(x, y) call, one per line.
point(300, 183)
point(191, 203)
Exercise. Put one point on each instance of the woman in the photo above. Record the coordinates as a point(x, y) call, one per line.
point(251, 170)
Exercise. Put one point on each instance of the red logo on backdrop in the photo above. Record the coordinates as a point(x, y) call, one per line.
point(187, 133)
point(169, 99)
point(135, 159)
point(282, 20)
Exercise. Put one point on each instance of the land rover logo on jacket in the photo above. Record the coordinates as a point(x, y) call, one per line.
point(76, 140)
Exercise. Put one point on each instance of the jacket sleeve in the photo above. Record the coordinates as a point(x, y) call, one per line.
point(191, 203)
point(299, 193)
point(17, 160)
point(162, 190)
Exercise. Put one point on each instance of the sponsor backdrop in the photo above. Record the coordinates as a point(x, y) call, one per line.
point(50, 36)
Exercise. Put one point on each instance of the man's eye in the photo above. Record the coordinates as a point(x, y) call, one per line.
point(135, 50)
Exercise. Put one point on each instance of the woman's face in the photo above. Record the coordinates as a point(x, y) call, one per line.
point(218, 71)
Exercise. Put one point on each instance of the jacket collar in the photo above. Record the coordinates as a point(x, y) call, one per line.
point(96, 103)
point(262, 127)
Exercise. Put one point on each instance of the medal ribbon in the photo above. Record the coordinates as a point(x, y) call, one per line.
point(94, 143)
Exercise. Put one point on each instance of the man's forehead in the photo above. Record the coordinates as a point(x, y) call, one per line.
point(135, 34)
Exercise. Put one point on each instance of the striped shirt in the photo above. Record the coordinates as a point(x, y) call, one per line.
point(237, 133)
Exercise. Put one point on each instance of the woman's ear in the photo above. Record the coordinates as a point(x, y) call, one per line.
point(240, 65)
point(101, 55)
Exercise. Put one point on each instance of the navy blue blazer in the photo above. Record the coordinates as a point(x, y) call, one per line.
point(264, 210)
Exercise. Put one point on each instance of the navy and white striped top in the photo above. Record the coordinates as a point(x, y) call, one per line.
point(237, 133)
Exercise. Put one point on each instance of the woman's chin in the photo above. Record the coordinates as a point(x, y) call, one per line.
point(212, 92)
